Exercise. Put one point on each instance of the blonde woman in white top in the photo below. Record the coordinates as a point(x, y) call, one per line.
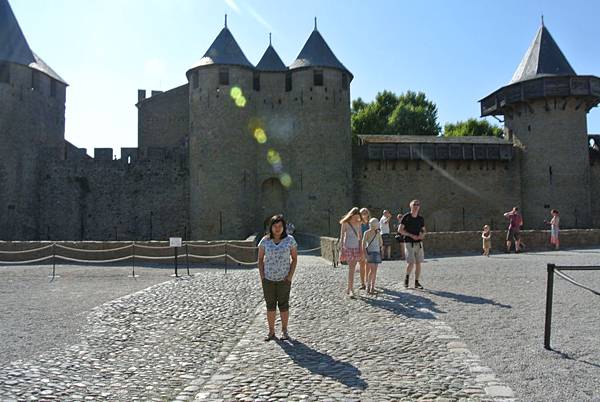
point(350, 240)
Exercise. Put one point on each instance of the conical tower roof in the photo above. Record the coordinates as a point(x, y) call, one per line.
point(543, 58)
point(270, 61)
point(316, 53)
point(224, 50)
point(14, 47)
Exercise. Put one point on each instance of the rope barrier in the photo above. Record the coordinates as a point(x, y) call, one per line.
point(26, 262)
point(207, 256)
point(60, 257)
point(206, 245)
point(27, 251)
point(147, 257)
point(309, 250)
point(246, 247)
point(153, 247)
point(241, 262)
point(574, 282)
point(94, 251)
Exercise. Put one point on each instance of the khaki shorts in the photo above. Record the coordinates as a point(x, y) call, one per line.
point(414, 252)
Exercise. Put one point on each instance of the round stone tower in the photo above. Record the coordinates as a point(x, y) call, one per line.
point(318, 93)
point(544, 108)
point(32, 123)
point(222, 153)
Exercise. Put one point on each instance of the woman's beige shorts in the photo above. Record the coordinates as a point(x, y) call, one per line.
point(414, 252)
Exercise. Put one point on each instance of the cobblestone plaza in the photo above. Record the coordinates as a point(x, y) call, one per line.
point(475, 333)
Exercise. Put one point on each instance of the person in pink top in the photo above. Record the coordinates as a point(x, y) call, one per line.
point(515, 221)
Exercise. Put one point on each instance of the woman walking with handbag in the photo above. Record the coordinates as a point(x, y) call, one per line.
point(350, 239)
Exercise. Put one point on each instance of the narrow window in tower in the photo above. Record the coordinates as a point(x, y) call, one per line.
point(195, 80)
point(52, 88)
point(4, 73)
point(288, 81)
point(223, 76)
point(344, 81)
point(256, 81)
point(35, 80)
point(318, 78)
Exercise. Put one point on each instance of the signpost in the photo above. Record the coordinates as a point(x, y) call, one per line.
point(175, 242)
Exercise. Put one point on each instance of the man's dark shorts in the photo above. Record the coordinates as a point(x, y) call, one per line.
point(277, 294)
point(513, 234)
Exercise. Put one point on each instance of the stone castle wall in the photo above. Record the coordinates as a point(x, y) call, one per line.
point(454, 195)
point(163, 119)
point(92, 199)
point(595, 192)
point(32, 107)
point(555, 165)
point(234, 187)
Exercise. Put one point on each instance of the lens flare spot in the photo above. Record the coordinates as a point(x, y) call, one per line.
point(240, 102)
point(273, 157)
point(260, 135)
point(286, 180)
point(235, 92)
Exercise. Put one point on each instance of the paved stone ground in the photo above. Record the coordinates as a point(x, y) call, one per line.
point(33, 309)
point(202, 339)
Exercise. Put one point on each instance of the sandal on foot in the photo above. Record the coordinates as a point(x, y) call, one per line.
point(284, 336)
point(270, 337)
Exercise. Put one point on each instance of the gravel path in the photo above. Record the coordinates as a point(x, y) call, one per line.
point(497, 307)
point(474, 334)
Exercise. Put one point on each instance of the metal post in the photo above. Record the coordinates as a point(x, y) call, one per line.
point(175, 250)
point(133, 275)
point(187, 261)
point(549, 291)
point(226, 257)
point(53, 261)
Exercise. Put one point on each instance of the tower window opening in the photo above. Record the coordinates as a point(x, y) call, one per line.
point(52, 88)
point(35, 80)
point(4, 73)
point(223, 76)
point(318, 78)
point(344, 81)
point(256, 81)
point(195, 80)
point(288, 81)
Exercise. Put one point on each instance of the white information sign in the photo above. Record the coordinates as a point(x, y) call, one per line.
point(175, 241)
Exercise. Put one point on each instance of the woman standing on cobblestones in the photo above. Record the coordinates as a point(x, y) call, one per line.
point(350, 238)
point(277, 259)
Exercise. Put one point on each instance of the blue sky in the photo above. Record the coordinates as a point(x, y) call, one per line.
point(455, 51)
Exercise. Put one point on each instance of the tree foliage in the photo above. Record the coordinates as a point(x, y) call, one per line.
point(410, 113)
point(472, 127)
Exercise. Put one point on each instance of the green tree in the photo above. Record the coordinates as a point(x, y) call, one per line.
point(410, 113)
point(472, 127)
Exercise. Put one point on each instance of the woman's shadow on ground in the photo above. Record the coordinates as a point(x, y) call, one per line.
point(415, 304)
point(408, 304)
point(323, 364)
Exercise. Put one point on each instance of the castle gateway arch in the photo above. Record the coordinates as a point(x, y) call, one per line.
point(272, 199)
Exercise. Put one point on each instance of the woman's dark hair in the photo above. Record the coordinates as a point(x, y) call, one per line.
point(276, 219)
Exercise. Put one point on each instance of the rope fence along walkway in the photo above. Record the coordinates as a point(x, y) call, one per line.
point(133, 255)
point(555, 269)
